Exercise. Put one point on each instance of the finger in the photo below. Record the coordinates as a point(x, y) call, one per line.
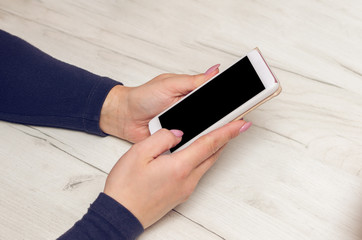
point(165, 75)
point(182, 84)
point(212, 70)
point(202, 78)
point(209, 144)
point(158, 143)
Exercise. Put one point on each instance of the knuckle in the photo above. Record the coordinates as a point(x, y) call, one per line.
point(230, 135)
point(198, 79)
point(163, 75)
point(164, 131)
point(181, 172)
point(167, 134)
point(210, 143)
point(166, 137)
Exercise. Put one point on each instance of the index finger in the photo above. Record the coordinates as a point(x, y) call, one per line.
point(209, 144)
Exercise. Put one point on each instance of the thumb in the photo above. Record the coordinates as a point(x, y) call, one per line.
point(181, 85)
point(201, 78)
point(159, 142)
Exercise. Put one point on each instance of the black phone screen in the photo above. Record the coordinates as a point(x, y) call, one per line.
point(213, 101)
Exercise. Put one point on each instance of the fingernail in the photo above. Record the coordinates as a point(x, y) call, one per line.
point(212, 69)
point(177, 133)
point(245, 127)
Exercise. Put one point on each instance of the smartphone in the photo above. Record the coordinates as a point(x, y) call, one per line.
point(228, 96)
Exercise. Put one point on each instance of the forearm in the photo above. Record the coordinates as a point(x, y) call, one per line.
point(40, 90)
point(105, 219)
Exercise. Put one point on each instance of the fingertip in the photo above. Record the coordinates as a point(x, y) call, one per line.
point(177, 133)
point(168, 134)
point(245, 127)
point(239, 126)
point(166, 139)
point(212, 69)
point(233, 129)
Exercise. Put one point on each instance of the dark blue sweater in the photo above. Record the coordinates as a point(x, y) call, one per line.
point(39, 90)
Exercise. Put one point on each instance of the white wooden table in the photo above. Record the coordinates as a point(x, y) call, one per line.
point(296, 174)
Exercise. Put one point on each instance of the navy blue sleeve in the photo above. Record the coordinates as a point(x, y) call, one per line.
point(37, 89)
point(105, 219)
point(40, 90)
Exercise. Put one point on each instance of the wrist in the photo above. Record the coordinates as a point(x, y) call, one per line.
point(114, 107)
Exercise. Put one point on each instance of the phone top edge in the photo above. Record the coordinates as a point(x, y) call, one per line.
point(262, 69)
point(275, 78)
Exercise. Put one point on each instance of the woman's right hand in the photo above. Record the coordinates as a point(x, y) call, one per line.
point(149, 184)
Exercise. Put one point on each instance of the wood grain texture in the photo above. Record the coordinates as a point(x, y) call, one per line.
point(296, 174)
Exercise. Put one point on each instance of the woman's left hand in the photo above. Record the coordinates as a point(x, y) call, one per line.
point(127, 111)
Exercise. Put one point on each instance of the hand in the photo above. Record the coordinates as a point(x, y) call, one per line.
point(150, 185)
point(127, 111)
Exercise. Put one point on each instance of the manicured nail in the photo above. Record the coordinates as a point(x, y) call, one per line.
point(245, 127)
point(177, 133)
point(212, 69)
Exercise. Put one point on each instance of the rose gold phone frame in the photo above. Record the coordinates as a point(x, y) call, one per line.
point(276, 93)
